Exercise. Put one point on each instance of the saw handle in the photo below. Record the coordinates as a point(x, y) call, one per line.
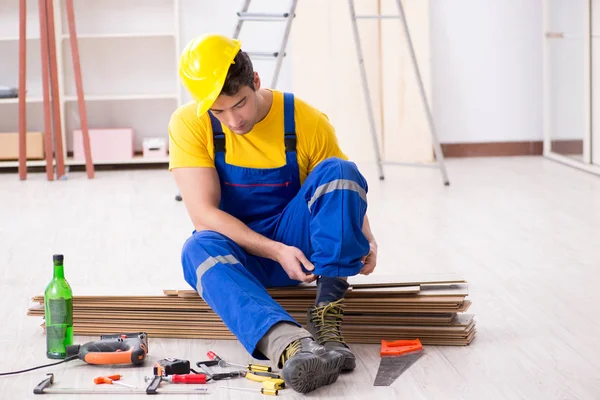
point(113, 351)
point(399, 347)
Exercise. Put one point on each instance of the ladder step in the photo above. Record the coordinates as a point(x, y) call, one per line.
point(264, 54)
point(246, 16)
point(377, 17)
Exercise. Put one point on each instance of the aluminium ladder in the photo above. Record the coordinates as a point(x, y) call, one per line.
point(244, 15)
point(439, 156)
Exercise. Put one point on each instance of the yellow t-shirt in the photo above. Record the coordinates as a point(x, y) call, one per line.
point(191, 139)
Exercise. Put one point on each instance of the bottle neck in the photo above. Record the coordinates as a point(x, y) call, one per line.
point(59, 270)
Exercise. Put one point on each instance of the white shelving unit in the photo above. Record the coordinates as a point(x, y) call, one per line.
point(128, 52)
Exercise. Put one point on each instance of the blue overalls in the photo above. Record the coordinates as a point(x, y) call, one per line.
point(323, 218)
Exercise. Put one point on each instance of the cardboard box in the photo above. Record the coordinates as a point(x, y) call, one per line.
point(9, 146)
point(106, 144)
point(154, 148)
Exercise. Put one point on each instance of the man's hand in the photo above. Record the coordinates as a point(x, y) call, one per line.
point(292, 259)
point(370, 260)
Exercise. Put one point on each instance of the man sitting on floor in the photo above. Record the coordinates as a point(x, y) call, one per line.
point(274, 202)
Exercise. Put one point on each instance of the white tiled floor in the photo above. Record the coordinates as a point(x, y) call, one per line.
point(523, 231)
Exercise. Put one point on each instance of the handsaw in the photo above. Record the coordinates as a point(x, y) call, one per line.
point(396, 357)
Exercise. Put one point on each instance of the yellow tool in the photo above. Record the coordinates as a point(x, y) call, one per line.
point(274, 384)
point(269, 380)
point(262, 390)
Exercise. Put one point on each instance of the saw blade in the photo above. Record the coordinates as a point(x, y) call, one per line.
point(390, 368)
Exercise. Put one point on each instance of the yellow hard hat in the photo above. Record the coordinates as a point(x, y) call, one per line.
point(203, 67)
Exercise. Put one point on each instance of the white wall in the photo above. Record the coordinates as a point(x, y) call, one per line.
point(486, 62)
point(487, 70)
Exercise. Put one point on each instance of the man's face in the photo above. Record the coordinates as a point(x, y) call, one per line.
point(238, 112)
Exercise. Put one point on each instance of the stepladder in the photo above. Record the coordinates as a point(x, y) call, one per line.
point(408, 42)
point(277, 55)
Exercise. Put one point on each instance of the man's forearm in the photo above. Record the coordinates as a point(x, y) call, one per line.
point(226, 224)
point(367, 230)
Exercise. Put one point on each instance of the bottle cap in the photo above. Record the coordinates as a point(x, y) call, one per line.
point(58, 257)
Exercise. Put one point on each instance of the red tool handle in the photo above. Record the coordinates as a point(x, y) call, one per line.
point(189, 378)
point(399, 347)
point(213, 356)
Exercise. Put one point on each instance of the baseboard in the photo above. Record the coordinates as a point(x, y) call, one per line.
point(504, 149)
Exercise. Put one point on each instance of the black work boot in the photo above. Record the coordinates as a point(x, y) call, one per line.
point(307, 365)
point(324, 323)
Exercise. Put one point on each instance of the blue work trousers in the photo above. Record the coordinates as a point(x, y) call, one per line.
point(324, 220)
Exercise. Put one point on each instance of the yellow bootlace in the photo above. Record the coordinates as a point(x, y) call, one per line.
point(291, 350)
point(328, 322)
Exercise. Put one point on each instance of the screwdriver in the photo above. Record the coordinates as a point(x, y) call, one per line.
point(187, 378)
point(249, 367)
point(112, 379)
point(270, 392)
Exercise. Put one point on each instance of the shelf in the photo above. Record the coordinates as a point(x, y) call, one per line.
point(122, 35)
point(72, 162)
point(125, 97)
point(15, 39)
point(128, 57)
point(27, 100)
point(134, 160)
point(136, 66)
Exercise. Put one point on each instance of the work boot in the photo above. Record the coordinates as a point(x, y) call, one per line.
point(308, 365)
point(325, 323)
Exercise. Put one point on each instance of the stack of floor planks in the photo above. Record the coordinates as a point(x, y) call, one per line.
point(431, 308)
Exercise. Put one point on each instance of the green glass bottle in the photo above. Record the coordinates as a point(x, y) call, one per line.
point(58, 306)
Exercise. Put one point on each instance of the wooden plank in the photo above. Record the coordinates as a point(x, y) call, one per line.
point(228, 336)
point(432, 311)
point(459, 289)
point(402, 280)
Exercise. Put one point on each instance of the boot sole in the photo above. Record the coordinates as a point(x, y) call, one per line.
point(349, 364)
point(308, 372)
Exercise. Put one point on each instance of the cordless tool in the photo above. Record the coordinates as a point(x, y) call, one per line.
point(125, 348)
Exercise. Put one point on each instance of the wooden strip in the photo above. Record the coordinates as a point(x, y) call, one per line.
point(56, 102)
point(228, 336)
point(372, 302)
point(363, 319)
point(349, 310)
point(217, 331)
point(303, 301)
point(493, 149)
point(22, 89)
point(402, 280)
point(444, 290)
point(346, 331)
point(89, 166)
point(46, 90)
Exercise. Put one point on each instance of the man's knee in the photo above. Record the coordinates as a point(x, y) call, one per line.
point(203, 251)
point(336, 168)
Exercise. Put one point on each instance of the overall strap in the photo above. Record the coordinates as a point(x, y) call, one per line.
point(289, 122)
point(218, 135)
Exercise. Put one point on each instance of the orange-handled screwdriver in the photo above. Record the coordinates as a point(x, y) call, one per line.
point(112, 379)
